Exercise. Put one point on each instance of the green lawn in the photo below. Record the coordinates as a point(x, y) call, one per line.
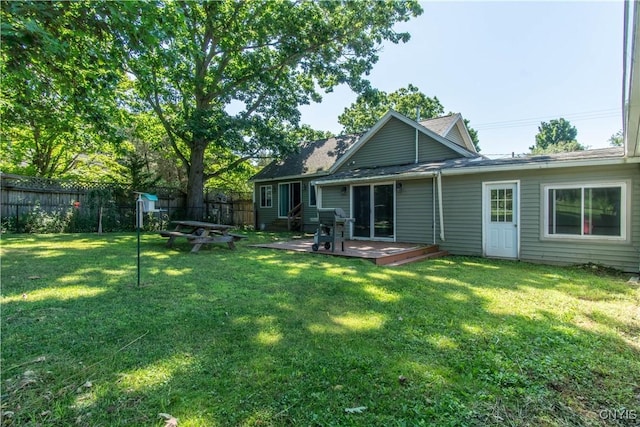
point(264, 337)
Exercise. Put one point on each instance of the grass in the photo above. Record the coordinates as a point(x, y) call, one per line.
point(260, 337)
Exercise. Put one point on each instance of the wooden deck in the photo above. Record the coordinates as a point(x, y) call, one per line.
point(380, 253)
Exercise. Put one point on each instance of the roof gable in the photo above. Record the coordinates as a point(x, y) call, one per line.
point(451, 127)
point(463, 152)
point(440, 125)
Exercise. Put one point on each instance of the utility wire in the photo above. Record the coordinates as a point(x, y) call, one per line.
point(587, 115)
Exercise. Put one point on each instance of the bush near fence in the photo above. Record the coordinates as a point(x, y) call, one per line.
point(38, 205)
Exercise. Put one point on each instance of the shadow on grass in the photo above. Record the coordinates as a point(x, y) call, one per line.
point(260, 337)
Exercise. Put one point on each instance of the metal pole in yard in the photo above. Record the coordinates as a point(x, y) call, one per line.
point(138, 226)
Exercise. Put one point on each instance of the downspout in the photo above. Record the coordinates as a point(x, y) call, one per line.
point(433, 202)
point(416, 146)
point(440, 205)
point(418, 121)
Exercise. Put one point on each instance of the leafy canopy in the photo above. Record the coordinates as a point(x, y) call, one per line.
point(226, 78)
point(368, 108)
point(556, 136)
point(58, 103)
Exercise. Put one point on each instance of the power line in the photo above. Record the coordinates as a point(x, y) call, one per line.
point(587, 115)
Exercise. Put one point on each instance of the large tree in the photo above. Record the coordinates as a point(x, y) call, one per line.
point(556, 136)
point(226, 78)
point(368, 108)
point(58, 105)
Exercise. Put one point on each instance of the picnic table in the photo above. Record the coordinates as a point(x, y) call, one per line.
point(200, 233)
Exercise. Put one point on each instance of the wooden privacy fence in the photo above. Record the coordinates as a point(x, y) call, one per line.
point(31, 204)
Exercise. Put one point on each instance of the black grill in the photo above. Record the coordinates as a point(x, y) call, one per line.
point(331, 228)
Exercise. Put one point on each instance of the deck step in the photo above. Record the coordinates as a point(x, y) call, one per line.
point(406, 254)
point(430, 255)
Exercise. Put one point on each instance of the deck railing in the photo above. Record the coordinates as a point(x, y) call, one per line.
point(294, 217)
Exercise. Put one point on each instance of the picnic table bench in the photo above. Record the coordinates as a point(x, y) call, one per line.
point(200, 233)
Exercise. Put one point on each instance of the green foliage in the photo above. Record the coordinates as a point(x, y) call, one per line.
point(148, 145)
point(113, 205)
point(559, 147)
point(239, 70)
point(473, 134)
point(556, 136)
point(280, 338)
point(307, 133)
point(223, 79)
point(370, 107)
point(139, 174)
point(617, 139)
point(58, 90)
point(39, 221)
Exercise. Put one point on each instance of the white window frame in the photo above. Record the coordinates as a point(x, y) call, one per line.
point(270, 199)
point(312, 190)
point(288, 183)
point(624, 211)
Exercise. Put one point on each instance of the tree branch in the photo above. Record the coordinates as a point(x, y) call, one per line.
point(229, 167)
point(155, 104)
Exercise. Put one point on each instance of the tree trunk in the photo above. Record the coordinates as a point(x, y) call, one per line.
point(195, 186)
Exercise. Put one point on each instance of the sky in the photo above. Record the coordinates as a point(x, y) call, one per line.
point(506, 67)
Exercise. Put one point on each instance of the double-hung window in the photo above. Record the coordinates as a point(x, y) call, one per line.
point(586, 211)
point(266, 196)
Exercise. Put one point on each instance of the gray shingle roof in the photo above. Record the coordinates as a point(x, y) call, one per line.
point(312, 158)
point(439, 124)
point(478, 162)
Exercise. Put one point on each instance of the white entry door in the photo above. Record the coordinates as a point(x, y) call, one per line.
point(500, 212)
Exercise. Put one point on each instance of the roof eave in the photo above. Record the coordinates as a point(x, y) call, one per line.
point(486, 169)
point(290, 177)
point(550, 164)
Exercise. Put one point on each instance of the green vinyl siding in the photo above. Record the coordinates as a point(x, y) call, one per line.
point(265, 216)
point(393, 144)
point(269, 216)
point(455, 136)
point(414, 212)
point(462, 208)
point(623, 255)
point(333, 197)
point(431, 150)
point(462, 196)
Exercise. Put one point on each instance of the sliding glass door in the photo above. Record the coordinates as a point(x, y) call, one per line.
point(362, 211)
point(289, 196)
point(374, 211)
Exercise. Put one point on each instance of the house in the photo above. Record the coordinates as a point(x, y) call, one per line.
point(423, 182)
point(285, 196)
